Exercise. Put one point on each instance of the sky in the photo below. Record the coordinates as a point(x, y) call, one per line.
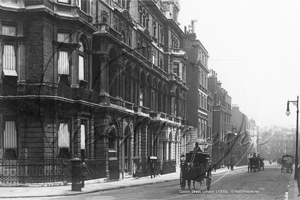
point(254, 47)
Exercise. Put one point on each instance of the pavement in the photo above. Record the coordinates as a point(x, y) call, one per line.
point(91, 186)
point(292, 191)
point(52, 190)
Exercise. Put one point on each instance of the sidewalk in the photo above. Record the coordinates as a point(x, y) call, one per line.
point(90, 186)
point(292, 192)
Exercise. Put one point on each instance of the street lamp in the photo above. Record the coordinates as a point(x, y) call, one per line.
point(288, 113)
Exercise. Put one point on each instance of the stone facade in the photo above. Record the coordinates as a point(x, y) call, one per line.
point(99, 80)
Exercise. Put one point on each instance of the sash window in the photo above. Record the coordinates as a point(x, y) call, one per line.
point(9, 60)
point(10, 139)
point(63, 62)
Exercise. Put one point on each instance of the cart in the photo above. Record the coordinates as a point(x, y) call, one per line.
point(195, 167)
point(254, 164)
point(287, 162)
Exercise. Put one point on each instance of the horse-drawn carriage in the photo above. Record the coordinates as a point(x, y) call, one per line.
point(195, 167)
point(256, 164)
point(287, 163)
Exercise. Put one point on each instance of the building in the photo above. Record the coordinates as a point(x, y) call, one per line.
point(102, 80)
point(197, 95)
point(244, 144)
point(221, 121)
point(254, 134)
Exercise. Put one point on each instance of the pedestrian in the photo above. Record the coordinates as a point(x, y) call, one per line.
point(152, 166)
point(84, 172)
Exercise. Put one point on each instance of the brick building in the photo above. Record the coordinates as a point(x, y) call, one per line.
point(221, 121)
point(197, 95)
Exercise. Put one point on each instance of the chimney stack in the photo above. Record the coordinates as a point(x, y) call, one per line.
point(193, 25)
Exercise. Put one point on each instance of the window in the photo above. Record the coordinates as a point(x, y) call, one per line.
point(63, 140)
point(64, 1)
point(63, 62)
point(154, 28)
point(84, 5)
point(63, 37)
point(82, 140)
point(161, 62)
point(10, 139)
point(63, 136)
point(141, 96)
point(112, 138)
point(81, 62)
point(176, 68)
point(162, 35)
point(9, 60)
point(9, 30)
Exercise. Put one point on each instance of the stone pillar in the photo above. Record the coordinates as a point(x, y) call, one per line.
point(144, 137)
point(75, 135)
point(74, 79)
point(100, 78)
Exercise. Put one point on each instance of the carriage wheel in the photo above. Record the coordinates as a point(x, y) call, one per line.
point(281, 169)
point(208, 182)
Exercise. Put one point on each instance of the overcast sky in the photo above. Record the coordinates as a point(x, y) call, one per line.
point(254, 47)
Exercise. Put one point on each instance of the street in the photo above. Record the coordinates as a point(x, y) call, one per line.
point(239, 184)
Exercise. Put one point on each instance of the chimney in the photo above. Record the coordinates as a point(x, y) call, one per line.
point(193, 25)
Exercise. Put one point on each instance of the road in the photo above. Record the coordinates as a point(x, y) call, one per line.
point(239, 184)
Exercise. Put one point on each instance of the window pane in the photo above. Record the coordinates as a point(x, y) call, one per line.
point(9, 60)
point(84, 5)
point(176, 68)
point(64, 1)
point(63, 62)
point(81, 68)
point(10, 135)
point(63, 37)
point(82, 136)
point(63, 136)
point(9, 30)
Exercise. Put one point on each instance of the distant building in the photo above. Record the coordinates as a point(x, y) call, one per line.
point(240, 123)
point(221, 119)
point(196, 105)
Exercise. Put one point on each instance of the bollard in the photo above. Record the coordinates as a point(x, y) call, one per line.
point(76, 174)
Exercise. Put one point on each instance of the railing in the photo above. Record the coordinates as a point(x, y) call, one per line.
point(25, 171)
point(97, 168)
point(169, 166)
point(49, 170)
point(105, 28)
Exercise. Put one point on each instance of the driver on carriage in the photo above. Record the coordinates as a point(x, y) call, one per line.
point(197, 148)
point(254, 155)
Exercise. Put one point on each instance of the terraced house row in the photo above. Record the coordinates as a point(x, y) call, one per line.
point(104, 80)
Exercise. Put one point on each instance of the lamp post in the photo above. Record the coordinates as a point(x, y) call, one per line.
point(288, 113)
